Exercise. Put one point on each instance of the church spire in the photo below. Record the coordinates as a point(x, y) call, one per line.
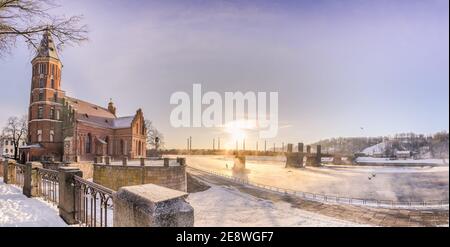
point(47, 47)
point(111, 107)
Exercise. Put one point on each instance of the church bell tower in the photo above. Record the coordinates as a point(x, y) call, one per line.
point(45, 110)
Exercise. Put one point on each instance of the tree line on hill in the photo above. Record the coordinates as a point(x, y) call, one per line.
point(423, 146)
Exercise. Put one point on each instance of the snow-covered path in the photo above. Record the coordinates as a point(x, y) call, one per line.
point(19, 210)
point(227, 206)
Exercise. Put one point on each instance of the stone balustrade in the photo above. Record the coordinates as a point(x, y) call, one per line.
point(151, 205)
point(146, 205)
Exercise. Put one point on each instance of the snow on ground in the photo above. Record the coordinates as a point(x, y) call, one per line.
point(377, 148)
point(18, 210)
point(402, 161)
point(368, 182)
point(226, 206)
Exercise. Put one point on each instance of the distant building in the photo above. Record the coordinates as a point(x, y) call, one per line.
point(403, 154)
point(7, 147)
point(378, 155)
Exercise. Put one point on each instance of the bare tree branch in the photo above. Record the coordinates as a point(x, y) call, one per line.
point(16, 130)
point(27, 19)
point(155, 139)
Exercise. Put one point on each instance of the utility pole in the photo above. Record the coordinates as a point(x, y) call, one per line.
point(218, 143)
point(190, 143)
point(214, 144)
point(237, 147)
point(274, 147)
point(265, 145)
point(243, 145)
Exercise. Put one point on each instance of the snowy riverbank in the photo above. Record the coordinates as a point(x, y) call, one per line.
point(226, 206)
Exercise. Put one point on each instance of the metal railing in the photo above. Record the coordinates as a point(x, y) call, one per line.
point(333, 199)
point(48, 185)
point(93, 204)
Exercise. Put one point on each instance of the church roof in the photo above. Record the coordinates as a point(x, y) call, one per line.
point(84, 107)
point(123, 122)
point(47, 47)
point(97, 115)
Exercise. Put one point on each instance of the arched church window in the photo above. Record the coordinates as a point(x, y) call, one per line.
point(52, 113)
point(88, 143)
point(40, 112)
point(52, 135)
point(39, 135)
point(107, 145)
point(41, 95)
point(122, 147)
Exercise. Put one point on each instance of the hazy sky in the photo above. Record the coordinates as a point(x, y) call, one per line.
point(337, 65)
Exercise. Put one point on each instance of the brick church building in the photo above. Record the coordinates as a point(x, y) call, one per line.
point(63, 128)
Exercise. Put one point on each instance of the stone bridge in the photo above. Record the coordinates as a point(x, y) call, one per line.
point(297, 159)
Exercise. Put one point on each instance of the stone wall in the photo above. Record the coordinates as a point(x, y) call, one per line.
point(86, 167)
point(114, 176)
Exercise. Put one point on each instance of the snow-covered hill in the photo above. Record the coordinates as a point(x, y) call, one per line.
point(375, 149)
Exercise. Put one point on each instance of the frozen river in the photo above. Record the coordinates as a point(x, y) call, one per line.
point(368, 182)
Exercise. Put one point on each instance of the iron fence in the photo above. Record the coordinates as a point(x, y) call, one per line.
point(93, 204)
point(48, 185)
point(334, 198)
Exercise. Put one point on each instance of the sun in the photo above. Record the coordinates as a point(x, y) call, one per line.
point(236, 130)
point(237, 134)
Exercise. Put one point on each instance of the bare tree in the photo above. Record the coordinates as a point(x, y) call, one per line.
point(16, 130)
point(27, 19)
point(155, 139)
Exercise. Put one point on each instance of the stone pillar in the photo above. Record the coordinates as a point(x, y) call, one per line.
point(142, 161)
point(67, 193)
point(124, 161)
point(289, 147)
point(150, 205)
point(166, 162)
point(5, 171)
point(182, 161)
point(318, 154)
point(239, 163)
point(30, 185)
point(300, 153)
point(100, 159)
